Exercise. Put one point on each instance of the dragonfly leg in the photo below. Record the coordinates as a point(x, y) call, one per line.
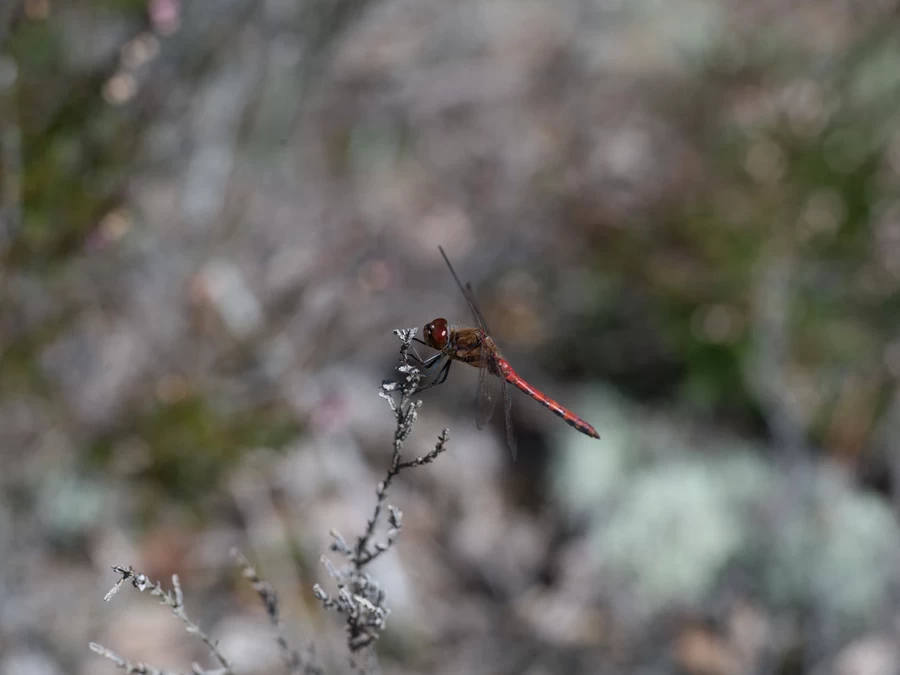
point(416, 353)
point(440, 379)
point(429, 363)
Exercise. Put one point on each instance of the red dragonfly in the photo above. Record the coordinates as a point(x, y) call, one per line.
point(476, 347)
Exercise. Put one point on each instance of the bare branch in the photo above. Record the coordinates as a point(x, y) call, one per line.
point(359, 597)
point(174, 599)
point(431, 456)
point(126, 665)
point(294, 663)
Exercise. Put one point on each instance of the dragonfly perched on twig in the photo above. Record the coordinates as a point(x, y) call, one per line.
point(476, 347)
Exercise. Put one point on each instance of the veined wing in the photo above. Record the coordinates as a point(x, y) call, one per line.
point(491, 387)
point(507, 414)
point(491, 390)
point(487, 395)
point(466, 290)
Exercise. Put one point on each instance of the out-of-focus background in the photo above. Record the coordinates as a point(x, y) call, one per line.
point(681, 219)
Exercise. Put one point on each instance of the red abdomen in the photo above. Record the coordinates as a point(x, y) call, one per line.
point(568, 416)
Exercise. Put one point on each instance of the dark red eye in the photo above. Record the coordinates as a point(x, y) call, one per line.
point(437, 333)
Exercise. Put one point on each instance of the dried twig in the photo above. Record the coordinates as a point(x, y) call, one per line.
point(126, 665)
point(294, 663)
point(174, 599)
point(360, 598)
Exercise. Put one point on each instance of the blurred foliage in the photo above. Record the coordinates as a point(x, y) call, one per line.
point(795, 171)
point(794, 168)
point(189, 447)
point(758, 289)
point(19, 369)
point(78, 148)
point(835, 557)
point(677, 519)
point(136, 8)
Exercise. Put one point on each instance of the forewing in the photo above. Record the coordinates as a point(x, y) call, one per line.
point(473, 307)
point(467, 294)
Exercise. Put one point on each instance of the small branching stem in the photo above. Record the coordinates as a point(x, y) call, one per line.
point(294, 663)
point(126, 665)
point(174, 599)
point(359, 597)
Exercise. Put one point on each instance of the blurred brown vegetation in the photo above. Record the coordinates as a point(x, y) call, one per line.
point(681, 219)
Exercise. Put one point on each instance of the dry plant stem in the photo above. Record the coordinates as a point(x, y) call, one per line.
point(293, 662)
point(126, 665)
point(406, 412)
point(174, 599)
point(359, 596)
point(430, 457)
point(363, 554)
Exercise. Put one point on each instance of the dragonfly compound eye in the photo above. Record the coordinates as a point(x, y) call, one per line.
point(437, 334)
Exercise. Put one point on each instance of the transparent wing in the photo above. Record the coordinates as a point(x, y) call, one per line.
point(473, 307)
point(491, 388)
point(486, 397)
point(507, 413)
point(467, 294)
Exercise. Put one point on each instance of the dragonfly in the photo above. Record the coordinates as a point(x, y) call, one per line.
point(476, 347)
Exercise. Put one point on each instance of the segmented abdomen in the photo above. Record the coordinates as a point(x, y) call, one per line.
point(568, 416)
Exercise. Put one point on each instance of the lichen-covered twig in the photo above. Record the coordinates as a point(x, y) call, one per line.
point(174, 599)
point(126, 665)
point(359, 597)
point(430, 457)
point(294, 663)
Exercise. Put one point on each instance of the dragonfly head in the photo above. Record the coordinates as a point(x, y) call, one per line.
point(437, 334)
